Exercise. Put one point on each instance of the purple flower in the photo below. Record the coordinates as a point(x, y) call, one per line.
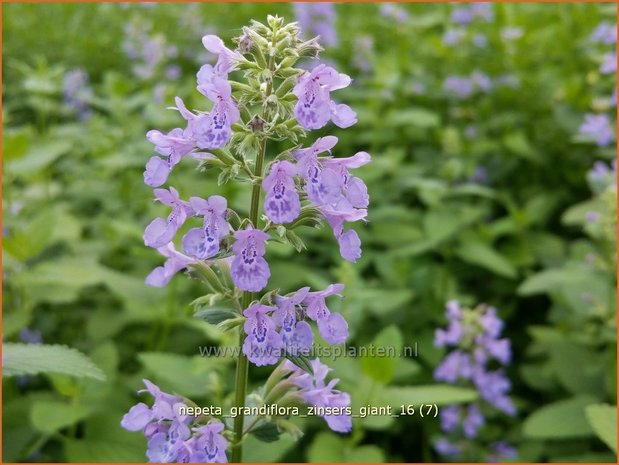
point(170, 435)
point(203, 243)
point(393, 11)
point(145, 50)
point(450, 418)
point(340, 196)
point(315, 107)
point(175, 262)
point(449, 337)
point(480, 40)
point(349, 242)
point(76, 92)
point(476, 10)
point(30, 336)
point(281, 204)
point(296, 334)
point(343, 191)
point(482, 10)
point(598, 128)
point(263, 344)
point(454, 311)
point(444, 447)
point(461, 86)
point(473, 421)
point(250, 272)
point(173, 146)
point(491, 323)
point(317, 19)
point(493, 388)
point(159, 232)
point(605, 33)
point(481, 81)
point(213, 130)
point(210, 445)
point(601, 176)
point(456, 365)
point(609, 63)
point(453, 36)
point(331, 326)
point(310, 169)
point(501, 451)
point(315, 392)
point(137, 417)
point(462, 15)
point(226, 58)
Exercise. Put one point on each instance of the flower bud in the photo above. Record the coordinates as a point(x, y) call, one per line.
point(275, 21)
point(256, 124)
point(245, 42)
point(310, 48)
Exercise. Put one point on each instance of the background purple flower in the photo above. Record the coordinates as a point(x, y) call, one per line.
point(317, 19)
point(598, 128)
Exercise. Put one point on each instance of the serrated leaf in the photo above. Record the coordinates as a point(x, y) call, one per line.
point(30, 359)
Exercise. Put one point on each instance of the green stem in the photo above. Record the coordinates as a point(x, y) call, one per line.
point(242, 362)
point(242, 365)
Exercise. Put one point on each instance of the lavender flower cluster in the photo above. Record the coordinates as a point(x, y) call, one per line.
point(463, 86)
point(146, 51)
point(314, 390)
point(474, 336)
point(273, 331)
point(598, 127)
point(462, 17)
point(173, 436)
point(233, 249)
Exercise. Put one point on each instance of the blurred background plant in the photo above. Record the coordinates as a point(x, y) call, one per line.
point(492, 134)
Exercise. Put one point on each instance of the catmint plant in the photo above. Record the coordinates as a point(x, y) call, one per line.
point(256, 97)
point(476, 359)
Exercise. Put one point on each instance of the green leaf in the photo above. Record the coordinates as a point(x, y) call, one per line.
point(30, 359)
point(476, 252)
point(255, 450)
point(15, 142)
point(51, 416)
point(564, 419)
point(438, 394)
point(301, 361)
point(188, 376)
point(366, 454)
point(327, 447)
point(416, 117)
point(93, 450)
point(266, 432)
point(379, 367)
point(603, 420)
point(216, 315)
point(39, 156)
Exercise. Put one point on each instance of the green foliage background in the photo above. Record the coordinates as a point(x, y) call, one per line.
point(75, 206)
